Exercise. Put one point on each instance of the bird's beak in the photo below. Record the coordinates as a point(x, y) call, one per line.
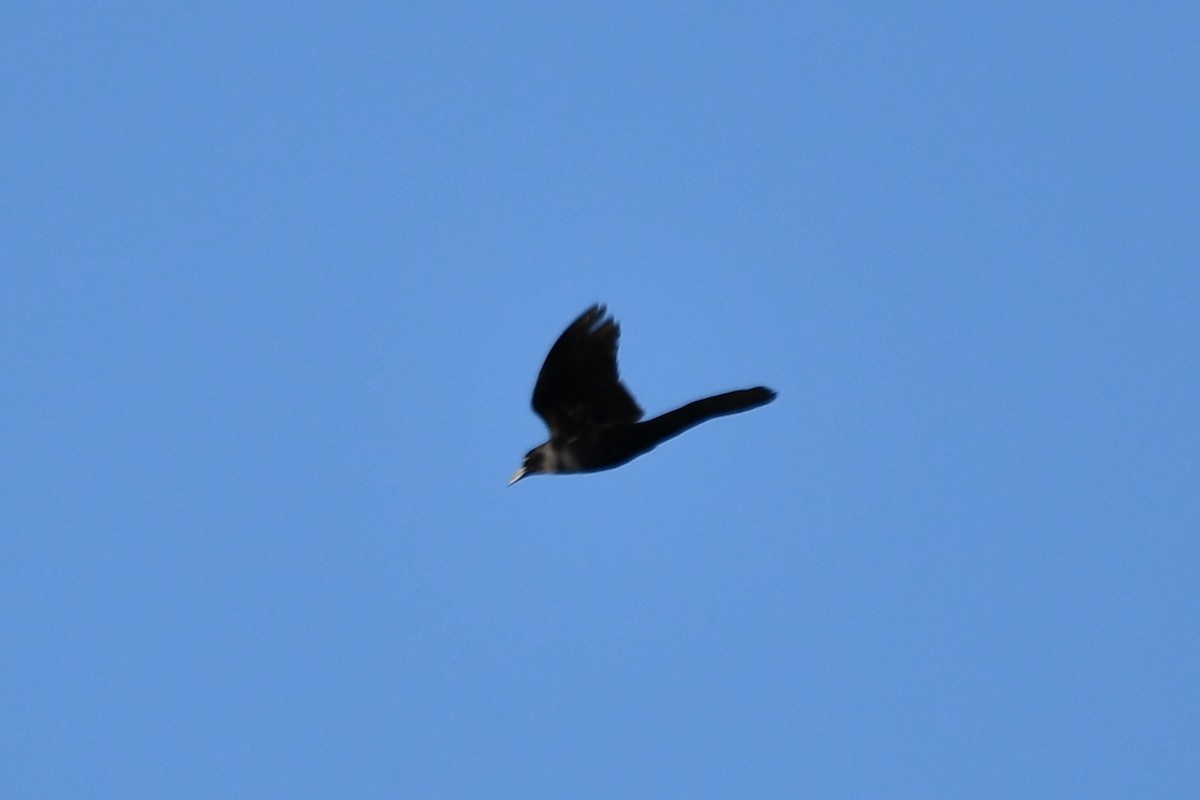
point(521, 473)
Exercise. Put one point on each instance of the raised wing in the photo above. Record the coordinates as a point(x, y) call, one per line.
point(578, 385)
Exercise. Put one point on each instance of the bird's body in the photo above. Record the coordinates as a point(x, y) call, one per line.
point(594, 421)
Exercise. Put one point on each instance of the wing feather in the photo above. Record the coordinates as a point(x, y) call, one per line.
point(578, 385)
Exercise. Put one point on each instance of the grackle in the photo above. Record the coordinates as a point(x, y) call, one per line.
point(593, 419)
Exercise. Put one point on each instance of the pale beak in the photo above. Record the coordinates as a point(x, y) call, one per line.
point(521, 473)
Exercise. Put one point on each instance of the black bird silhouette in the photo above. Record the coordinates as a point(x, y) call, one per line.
point(593, 419)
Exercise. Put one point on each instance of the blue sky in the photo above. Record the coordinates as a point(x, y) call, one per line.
point(277, 280)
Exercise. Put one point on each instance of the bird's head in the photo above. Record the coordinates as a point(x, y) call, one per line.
point(537, 461)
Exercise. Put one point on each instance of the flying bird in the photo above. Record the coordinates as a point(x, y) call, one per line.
point(593, 419)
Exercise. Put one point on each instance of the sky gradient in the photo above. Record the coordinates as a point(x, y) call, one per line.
point(277, 281)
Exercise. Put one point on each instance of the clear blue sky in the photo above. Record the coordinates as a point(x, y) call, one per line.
point(277, 280)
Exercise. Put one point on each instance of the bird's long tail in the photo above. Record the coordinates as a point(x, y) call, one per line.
point(676, 422)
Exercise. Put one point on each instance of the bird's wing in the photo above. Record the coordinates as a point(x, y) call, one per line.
point(578, 385)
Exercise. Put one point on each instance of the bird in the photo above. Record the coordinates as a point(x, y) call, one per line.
point(594, 421)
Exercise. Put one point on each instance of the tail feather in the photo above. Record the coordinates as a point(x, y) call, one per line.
point(676, 422)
